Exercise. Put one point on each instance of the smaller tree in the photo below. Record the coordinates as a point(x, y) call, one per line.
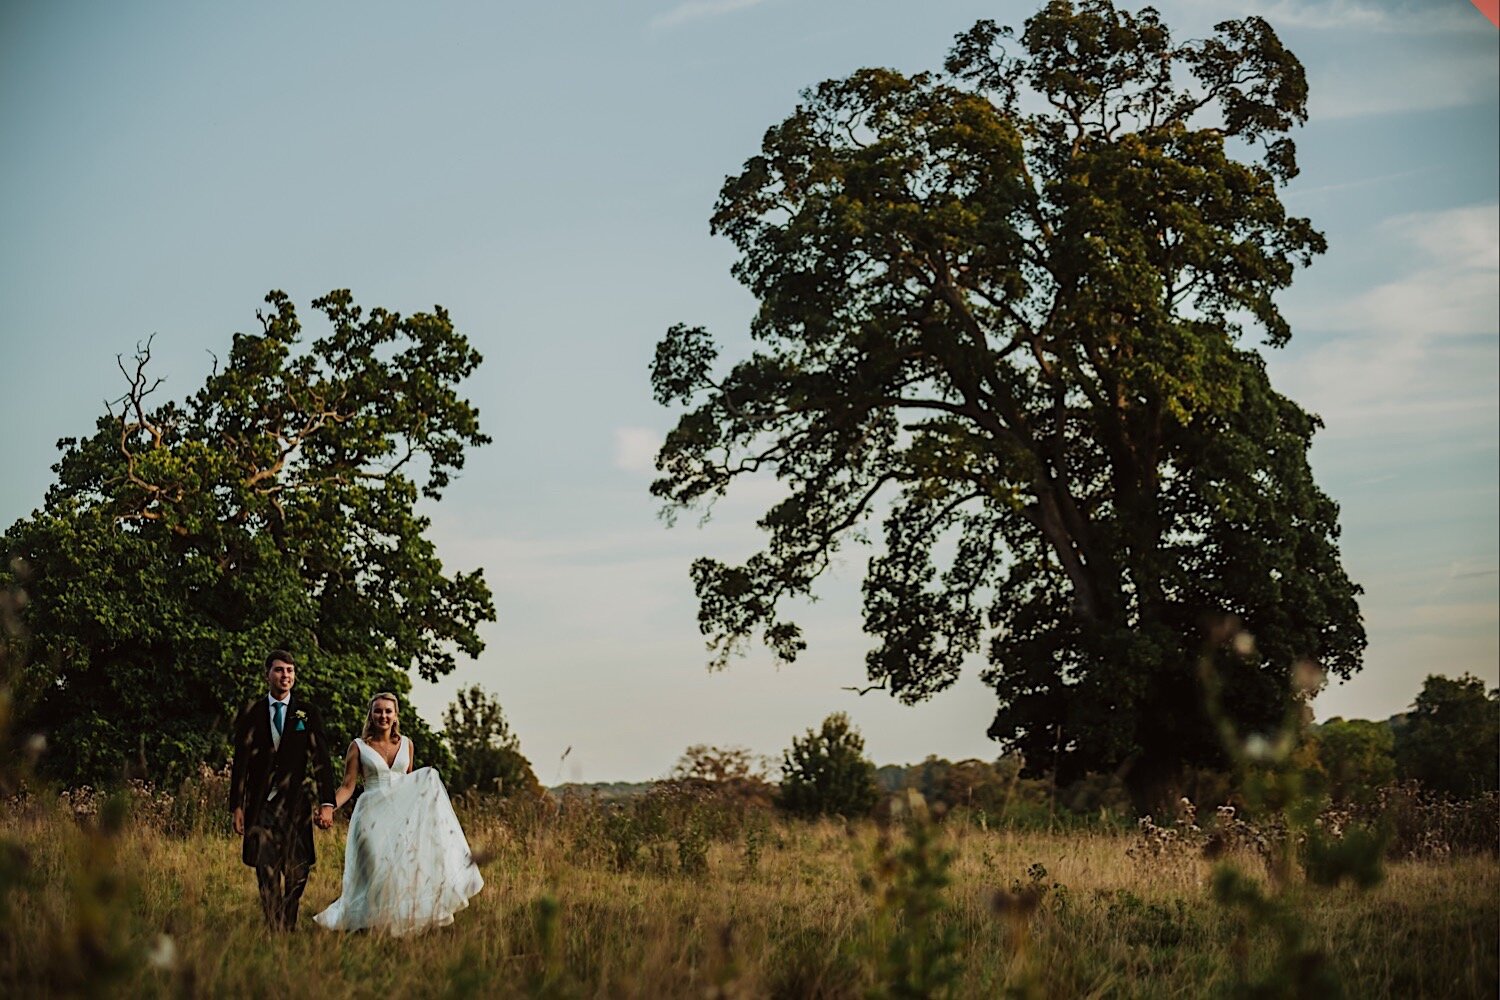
point(1354, 756)
point(715, 765)
point(727, 772)
point(825, 772)
point(487, 755)
point(930, 778)
point(1449, 737)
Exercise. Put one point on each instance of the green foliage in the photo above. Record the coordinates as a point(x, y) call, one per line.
point(90, 944)
point(1424, 823)
point(920, 955)
point(1354, 854)
point(1278, 781)
point(995, 794)
point(1447, 741)
point(548, 980)
point(967, 784)
point(16, 871)
point(1300, 968)
point(486, 754)
point(274, 508)
point(730, 775)
point(1018, 331)
point(624, 833)
point(825, 772)
point(1036, 888)
point(1353, 757)
point(692, 847)
point(814, 961)
point(669, 829)
point(1149, 923)
point(757, 830)
point(801, 929)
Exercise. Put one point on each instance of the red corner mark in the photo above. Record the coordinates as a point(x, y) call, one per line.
point(1490, 9)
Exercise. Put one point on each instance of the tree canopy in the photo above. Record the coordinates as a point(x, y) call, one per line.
point(275, 507)
point(1352, 757)
point(1002, 309)
point(486, 753)
point(1448, 740)
point(825, 772)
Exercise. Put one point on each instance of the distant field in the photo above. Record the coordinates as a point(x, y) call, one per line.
point(786, 909)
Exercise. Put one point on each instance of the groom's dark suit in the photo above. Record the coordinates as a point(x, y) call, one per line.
point(278, 827)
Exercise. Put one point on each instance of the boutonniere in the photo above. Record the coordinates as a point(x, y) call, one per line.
point(301, 715)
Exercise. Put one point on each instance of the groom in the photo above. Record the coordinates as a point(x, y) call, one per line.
point(274, 736)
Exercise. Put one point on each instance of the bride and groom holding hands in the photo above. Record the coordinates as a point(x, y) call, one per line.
point(407, 864)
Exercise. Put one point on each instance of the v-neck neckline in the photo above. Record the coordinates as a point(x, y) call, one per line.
point(390, 765)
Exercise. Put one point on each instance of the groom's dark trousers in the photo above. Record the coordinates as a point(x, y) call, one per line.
point(269, 783)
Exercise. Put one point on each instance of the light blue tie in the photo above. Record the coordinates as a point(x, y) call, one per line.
point(276, 720)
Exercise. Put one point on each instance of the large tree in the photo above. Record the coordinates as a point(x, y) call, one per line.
point(1004, 307)
point(276, 507)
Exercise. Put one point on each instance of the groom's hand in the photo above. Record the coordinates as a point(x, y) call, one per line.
point(325, 817)
point(239, 821)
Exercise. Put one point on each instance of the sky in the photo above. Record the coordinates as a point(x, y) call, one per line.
point(545, 171)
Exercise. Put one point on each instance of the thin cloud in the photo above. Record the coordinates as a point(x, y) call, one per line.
point(1377, 56)
point(1405, 85)
point(1358, 182)
point(1403, 17)
point(1462, 575)
point(635, 449)
point(697, 10)
point(1421, 345)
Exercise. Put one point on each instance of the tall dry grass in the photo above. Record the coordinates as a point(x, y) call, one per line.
point(137, 906)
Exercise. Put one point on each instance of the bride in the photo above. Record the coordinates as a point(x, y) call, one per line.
point(406, 863)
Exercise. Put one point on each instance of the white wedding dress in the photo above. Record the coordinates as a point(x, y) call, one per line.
point(406, 864)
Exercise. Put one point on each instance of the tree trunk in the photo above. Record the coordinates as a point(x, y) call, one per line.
point(1155, 782)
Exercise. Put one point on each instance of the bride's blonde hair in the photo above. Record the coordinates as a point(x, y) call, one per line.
point(370, 713)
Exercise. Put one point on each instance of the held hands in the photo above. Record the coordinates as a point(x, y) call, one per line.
point(324, 819)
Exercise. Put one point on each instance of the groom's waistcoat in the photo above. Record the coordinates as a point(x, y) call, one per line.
point(261, 767)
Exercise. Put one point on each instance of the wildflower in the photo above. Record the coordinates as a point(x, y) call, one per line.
point(163, 954)
point(1307, 677)
point(1216, 846)
point(1257, 747)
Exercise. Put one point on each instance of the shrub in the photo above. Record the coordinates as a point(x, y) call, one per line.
point(916, 944)
point(718, 789)
point(486, 754)
point(825, 772)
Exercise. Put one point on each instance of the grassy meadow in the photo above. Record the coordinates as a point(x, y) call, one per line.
point(115, 904)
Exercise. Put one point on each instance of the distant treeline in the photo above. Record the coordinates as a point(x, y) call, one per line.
point(1446, 743)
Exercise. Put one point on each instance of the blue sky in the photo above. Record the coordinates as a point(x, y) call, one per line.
point(545, 171)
